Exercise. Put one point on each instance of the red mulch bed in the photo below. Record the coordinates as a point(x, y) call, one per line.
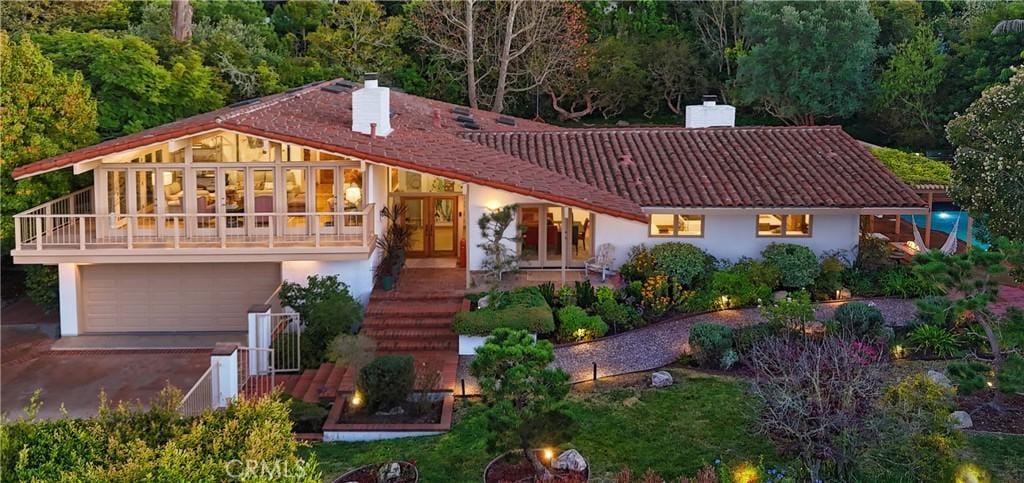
point(368, 474)
point(513, 468)
point(987, 418)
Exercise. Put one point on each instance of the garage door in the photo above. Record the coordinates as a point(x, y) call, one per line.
point(173, 297)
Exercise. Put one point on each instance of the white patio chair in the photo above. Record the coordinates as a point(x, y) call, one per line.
point(602, 262)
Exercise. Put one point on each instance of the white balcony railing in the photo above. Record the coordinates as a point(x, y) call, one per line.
point(68, 224)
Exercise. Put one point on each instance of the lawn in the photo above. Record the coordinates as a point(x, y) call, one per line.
point(1000, 454)
point(674, 431)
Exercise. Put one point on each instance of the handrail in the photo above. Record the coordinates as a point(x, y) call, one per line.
point(67, 197)
point(200, 397)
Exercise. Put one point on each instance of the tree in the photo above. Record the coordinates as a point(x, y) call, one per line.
point(898, 22)
point(970, 281)
point(988, 167)
point(53, 15)
point(45, 113)
point(907, 88)
point(718, 26)
point(524, 397)
point(499, 256)
point(181, 20)
point(357, 38)
point(295, 19)
point(807, 60)
point(134, 90)
point(674, 72)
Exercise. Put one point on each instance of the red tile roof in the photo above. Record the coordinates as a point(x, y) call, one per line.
point(822, 167)
point(744, 167)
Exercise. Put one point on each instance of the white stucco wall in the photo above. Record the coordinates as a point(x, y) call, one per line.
point(731, 236)
point(358, 274)
point(476, 205)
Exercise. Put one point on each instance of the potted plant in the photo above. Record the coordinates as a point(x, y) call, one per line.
point(392, 245)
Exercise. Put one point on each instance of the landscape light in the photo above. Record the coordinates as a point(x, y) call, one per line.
point(356, 399)
point(548, 454)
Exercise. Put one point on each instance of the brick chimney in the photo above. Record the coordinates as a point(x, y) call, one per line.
point(371, 108)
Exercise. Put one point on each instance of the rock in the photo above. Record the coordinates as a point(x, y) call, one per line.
point(960, 420)
point(389, 472)
point(661, 379)
point(939, 378)
point(570, 460)
point(621, 123)
point(631, 401)
point(780, 295)
point(486, 299)
point(395, 411)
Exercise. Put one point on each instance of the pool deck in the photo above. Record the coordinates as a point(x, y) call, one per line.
point(887, 227)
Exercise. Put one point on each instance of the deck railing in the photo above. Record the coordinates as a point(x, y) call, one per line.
point(67, 223)
point(201, 397)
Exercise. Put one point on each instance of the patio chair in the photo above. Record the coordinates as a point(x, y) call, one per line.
point(602, 262)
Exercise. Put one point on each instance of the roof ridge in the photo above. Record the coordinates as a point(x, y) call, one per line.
point(623, 129)
point(273, 100)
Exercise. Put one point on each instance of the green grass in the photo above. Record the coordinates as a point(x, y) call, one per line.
point(674, 431)
point(999, 454)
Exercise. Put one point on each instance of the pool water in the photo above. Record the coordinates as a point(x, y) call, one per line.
point(944, 221)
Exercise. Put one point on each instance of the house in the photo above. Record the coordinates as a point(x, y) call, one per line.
point(190, 223)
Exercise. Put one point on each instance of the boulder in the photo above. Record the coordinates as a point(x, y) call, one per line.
point(486, 299)
point(780, 295)
point(570, 460)
point(395, 411)
point(939, 378)
point(389, 472)
point(661, 379)
point(960, 420)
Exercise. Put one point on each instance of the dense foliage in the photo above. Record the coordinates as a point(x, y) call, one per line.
point(860, 320)
point(128, 443)
point(797, 264)
point(327, 308)
point(523, 308)
point(386, 381)
point(575, 325)
point(684, 263)
point(913, 168)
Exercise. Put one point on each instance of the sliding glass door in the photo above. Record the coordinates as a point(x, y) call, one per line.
point(553, 235)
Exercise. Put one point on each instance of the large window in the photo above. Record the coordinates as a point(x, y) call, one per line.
point(783, 225)
point(664, 224)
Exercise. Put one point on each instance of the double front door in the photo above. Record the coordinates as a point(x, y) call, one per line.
point(433, 221)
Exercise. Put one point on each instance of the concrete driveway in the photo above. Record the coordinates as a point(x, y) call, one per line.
point(75, 378)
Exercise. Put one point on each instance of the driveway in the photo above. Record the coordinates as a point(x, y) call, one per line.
point(74, 379)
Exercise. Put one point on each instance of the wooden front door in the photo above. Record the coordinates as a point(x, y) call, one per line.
point(434, 224)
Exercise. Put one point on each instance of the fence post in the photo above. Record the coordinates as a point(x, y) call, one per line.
point(260, 329)
point(81, 233)
point(224, 359)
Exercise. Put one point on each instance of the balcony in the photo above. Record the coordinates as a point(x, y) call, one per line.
point(66, 230)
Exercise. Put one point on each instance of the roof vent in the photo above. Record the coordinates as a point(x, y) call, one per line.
point(335, 88)
point(471, 125)
point(461, 110)
point(710, 114)
point(626, 159)
point(508, 121)
point(464, 119)
point(371, 106)
point(345, 83)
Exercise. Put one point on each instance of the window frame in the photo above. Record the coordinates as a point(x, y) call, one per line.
point(675, 225)
point(785, 221)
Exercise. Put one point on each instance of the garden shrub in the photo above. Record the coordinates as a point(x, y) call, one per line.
point(522, 308)
point(746, 336)
point(793, 312)
point(696, 301)
point(585, 294)
point(873, 255)
point(933, 341)
point(618, 316)
point(575, 325)
point(547, 290)
point(904, 283)
point(860, 319)
point(796, 263)
point(861, 282)
point(1011, 377)
point(968, 376)
point(740, 288)
point(566, 295)
point(709, 342)
point(42, 284)
point(657, 296)
point(915, 441)
point(639, 265)
point(306, 417)
point(938, 311)
point(133, 443)
point(327, 308)
point(759, 272)
point(386, 381)
point(829, 279)
point(684, 263)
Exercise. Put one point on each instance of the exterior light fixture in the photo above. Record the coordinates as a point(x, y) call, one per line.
point(899, 352)
point(549, 454)
point(493, 205)
point(913, 246)
point(989, 383)
point(745, 473)
point(357, 400)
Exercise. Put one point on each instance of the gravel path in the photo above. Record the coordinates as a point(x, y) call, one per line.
point(660, 344)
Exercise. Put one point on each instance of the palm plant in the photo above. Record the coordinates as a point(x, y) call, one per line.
point(392, 244)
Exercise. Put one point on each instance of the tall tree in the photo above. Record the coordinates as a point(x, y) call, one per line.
point(357, 38)
point(807, 60)
point(907, 89)
point(53, 15)
point(181, 20)
point(988, 167)
point(45, 113)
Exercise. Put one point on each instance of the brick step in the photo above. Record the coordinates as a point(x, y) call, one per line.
point(402, 295)
point(380, 321)
point(317, 386)
point(385, 333)
point(286, 382)
point(334, 379)
point(302, 384)
point(426, 309)
point(407, 345)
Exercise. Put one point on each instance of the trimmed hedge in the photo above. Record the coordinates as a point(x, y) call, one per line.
point(796, 263)
point(523, 308)
point(683, 262)
point(576, 325)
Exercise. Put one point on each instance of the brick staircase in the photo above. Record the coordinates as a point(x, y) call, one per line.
point(314, 385)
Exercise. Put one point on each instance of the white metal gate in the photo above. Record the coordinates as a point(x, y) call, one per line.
point(281, 332)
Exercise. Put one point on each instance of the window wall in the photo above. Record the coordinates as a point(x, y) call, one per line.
point(790, 225)
point(673, 225)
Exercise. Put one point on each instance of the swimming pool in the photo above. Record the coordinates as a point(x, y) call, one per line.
point(944, 221)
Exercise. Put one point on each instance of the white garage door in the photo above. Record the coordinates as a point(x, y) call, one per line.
point(174, 297)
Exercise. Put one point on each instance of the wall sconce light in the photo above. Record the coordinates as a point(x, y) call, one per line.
point(493, 205)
